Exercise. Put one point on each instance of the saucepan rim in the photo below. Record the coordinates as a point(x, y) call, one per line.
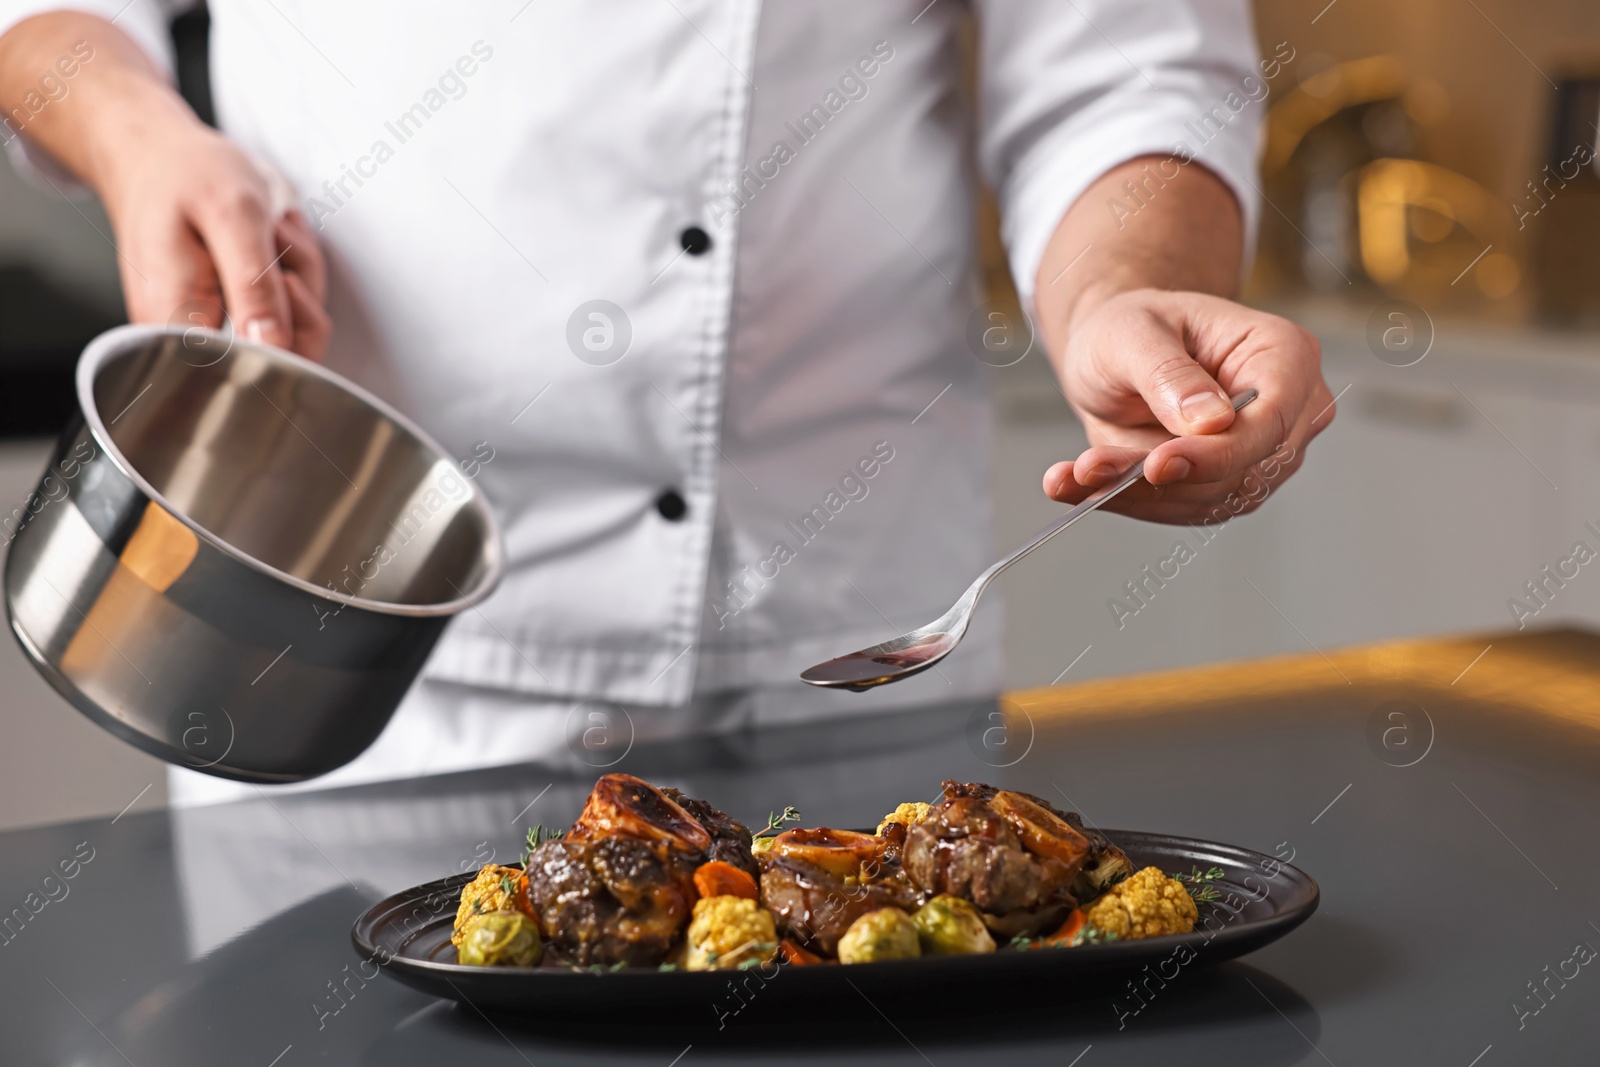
point(123, 339)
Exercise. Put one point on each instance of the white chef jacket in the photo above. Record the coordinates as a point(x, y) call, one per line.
point(696, 275)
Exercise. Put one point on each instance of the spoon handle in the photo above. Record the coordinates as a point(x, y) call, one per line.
point(1061, 522)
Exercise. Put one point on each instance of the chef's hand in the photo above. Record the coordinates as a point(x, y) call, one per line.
point(195, 231)
point(1150, 372)
point(197, 234)
point(1132, 311)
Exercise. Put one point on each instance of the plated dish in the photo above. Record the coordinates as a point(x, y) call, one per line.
point(655, 888)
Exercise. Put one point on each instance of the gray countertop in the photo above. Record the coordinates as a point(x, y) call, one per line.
point(1451, 887)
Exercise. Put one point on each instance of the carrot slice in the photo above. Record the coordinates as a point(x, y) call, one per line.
point(1069, 929)
point(793, 953)
point(718, 879)
point(523, 902)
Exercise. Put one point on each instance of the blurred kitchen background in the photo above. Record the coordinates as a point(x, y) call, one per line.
point(1433, 216)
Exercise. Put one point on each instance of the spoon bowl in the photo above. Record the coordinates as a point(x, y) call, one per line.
point(910, 653)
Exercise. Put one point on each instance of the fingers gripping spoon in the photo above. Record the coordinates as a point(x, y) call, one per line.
point(916, 651)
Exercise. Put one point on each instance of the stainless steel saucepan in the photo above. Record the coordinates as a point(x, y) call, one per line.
point(237, 560)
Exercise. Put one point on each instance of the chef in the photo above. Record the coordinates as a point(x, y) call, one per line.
point(688, 287)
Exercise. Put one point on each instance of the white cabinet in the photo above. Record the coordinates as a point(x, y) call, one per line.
point(1436, 494)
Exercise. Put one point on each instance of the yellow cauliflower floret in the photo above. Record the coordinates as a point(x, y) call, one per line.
point(1145, 904)
point(729, 931)
point(909, 814)
point(485, 893)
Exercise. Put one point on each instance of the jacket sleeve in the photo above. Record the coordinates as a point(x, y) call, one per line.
point(1069, 90)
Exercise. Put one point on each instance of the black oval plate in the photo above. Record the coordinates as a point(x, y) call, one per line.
point(1262, 899)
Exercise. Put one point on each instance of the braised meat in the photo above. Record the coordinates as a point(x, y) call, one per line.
point(619, 886)
point(894, 841)
point(1103, 867)
point(730, 838)
point(632, 807)
point(610, 899)
point(816, 882)
point(1011, 854)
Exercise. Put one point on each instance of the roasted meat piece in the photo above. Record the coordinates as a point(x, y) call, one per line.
point(818, 881)
point(730, 838)
point(1103, 867)
point(632, 807)
point(894, 840)
point(619, 886)
point(1011, 854)
point(610, 899)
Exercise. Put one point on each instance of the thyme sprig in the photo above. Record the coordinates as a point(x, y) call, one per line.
point(1088, 935)
point(776, 819)
point(537, 835)
point(1091, 935)
point(1198, 883)
point(763, 950)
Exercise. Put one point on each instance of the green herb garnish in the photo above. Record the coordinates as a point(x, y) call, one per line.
point(537, 835)
point(775, 820)
point(1090, 935)
point(1087, 935)
point(1198, 883)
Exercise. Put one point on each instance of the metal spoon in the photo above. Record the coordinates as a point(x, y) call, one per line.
point(916, 651)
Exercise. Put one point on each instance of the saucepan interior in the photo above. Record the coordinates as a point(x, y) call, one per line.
point(293, 470)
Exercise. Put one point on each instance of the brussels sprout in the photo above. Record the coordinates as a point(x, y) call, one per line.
point(761, 845)
point(508, 938)
point(950, 926)
point(885, 934)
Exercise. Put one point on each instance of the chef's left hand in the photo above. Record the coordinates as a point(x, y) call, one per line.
point(1150, 371)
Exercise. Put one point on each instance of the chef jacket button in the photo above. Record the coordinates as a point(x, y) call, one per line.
point(695, 241)
point(671, 505)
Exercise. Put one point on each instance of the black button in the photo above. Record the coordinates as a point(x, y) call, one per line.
point(695, 241)
point(671, 506)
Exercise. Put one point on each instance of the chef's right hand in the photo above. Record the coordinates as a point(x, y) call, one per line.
point(196, 234)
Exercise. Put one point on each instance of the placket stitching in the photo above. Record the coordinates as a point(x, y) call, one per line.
point(710, 374)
